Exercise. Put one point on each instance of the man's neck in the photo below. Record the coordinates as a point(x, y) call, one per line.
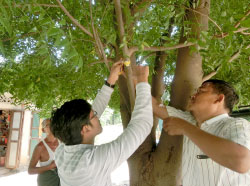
point(88, 141)
point(202, 117)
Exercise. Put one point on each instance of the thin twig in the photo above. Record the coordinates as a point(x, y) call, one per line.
point(101, 61)
point(234, 56)
point(242, 19)
point(139, 4)
point(147, 56)
point(104, 13)
point(128, 69)
point(209, 76)
point(73, 19)
point(207, 17)
point(93, 29)
point(155, 49)
point(120, 25)
point(97, 38)
point(35, 4)
point(239, 30)
point(22, 36)
point(245, 33)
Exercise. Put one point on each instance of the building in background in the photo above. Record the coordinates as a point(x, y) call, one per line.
point(20, 131)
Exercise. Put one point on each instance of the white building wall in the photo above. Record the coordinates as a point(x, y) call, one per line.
point(8, 106)
point(25, 141)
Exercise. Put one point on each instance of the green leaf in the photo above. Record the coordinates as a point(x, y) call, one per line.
point(245, 23)
point(2, 48)
point(45, 21)
point(145, 44)
point(53, 31)
point(6, 25)
point(224, 14)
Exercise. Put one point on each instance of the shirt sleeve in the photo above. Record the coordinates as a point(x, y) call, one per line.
point(180, 114)
point(102, 99)
point(109, 156)
point(238, 131)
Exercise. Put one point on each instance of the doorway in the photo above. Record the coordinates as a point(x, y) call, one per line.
point(5, 118)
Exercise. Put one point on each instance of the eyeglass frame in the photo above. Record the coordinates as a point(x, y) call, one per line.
point(94, 115)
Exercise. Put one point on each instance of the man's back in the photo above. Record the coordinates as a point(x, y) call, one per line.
point(89, 165)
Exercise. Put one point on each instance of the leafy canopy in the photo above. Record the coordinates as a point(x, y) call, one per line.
point(46, 59)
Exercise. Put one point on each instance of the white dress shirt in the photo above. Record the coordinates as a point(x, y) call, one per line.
point(91, 165)
point(203, 171)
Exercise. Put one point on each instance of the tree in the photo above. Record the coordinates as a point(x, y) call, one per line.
point(53, 51)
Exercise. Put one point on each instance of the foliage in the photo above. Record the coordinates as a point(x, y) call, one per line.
point(48, 59)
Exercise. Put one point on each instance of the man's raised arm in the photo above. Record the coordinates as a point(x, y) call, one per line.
point(159, 110)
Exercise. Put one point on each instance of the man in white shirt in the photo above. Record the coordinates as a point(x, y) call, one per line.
point(76, 124)
point(216, 146)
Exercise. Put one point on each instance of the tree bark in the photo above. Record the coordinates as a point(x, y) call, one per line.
point(153, 165)
point(188, 77)
point(162, 165)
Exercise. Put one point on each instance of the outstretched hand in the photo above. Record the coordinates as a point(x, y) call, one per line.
point(116, 70)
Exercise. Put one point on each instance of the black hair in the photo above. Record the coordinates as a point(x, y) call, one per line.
point(67, 121)
point(223, 87)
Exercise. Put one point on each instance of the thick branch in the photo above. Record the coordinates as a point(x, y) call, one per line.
point(155, 49)
point(128, 69)
point(73, 19)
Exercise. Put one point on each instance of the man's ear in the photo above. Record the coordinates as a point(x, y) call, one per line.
point(85, 129)
point(220, 98)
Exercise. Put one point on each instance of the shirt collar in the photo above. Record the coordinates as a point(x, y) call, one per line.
point(75, 148)
point(216, 118)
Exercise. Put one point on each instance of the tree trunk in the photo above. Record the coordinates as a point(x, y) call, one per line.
point(160, 165)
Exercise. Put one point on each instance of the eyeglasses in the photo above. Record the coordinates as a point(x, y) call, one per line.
point(94, 115)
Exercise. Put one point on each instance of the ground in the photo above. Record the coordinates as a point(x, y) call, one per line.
point(119, 177)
